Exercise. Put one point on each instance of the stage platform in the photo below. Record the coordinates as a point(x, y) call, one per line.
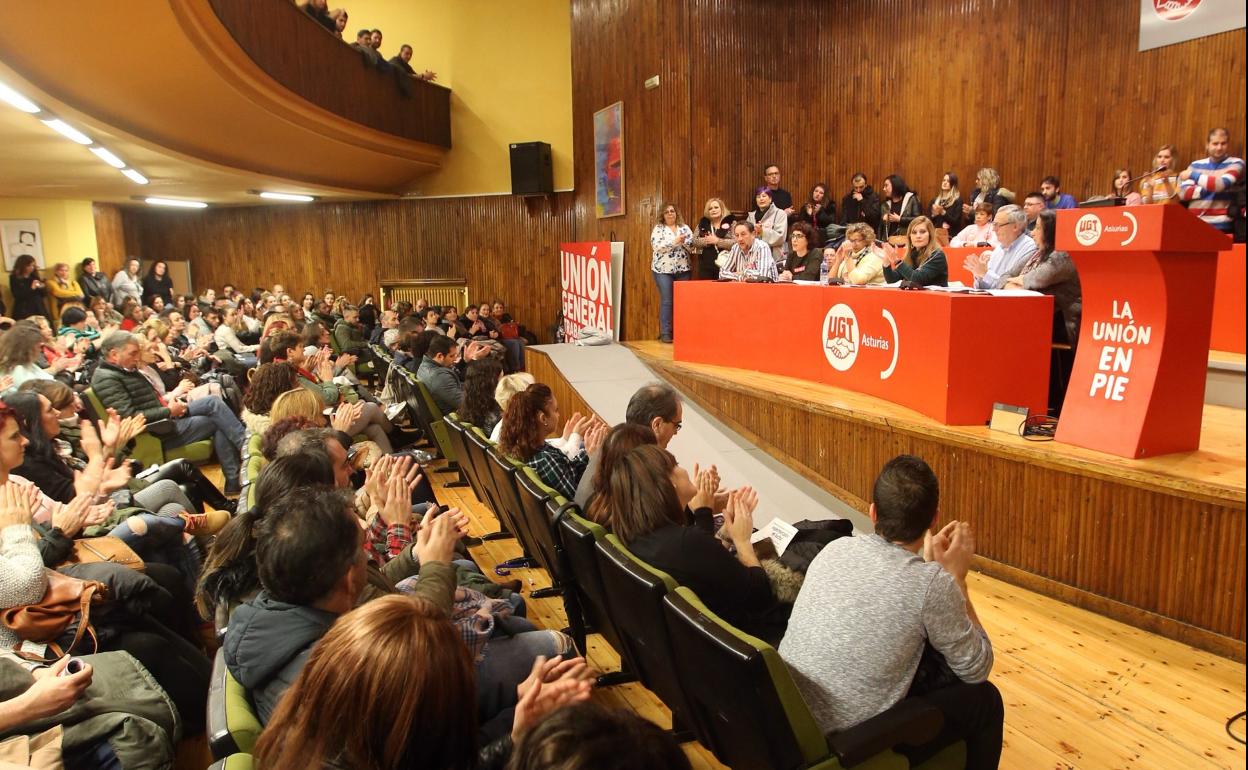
point(1157, 543)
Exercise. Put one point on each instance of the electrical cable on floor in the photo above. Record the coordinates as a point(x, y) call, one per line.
point(1038, 427)
point(1231, 721)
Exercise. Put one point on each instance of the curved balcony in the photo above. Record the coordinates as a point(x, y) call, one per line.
point(249, 85)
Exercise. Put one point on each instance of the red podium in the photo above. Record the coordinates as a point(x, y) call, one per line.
point(1147, 272)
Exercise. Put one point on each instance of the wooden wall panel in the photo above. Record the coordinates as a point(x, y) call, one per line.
point(503, 246)
point(822, 88)
point(110, 237)
point(916, 87)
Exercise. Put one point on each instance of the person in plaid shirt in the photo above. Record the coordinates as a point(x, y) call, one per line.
point(532, 415)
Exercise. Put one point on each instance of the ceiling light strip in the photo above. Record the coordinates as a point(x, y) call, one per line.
point(292, 197)
point(16, 100)
point(173, 203)
point(108, 157)
point(67, 131)
point(134, 176)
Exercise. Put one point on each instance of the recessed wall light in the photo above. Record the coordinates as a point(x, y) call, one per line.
point(14, 99)
point(134, 176)
point(67, 131)
point(109, 158)
point(176, 203)
point(292, 197)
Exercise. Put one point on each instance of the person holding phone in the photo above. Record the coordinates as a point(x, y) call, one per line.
point(859, 260)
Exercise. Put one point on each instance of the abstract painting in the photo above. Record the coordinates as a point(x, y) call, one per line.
point(609, 160)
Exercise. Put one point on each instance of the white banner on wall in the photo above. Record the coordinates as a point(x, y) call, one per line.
point(1166, 22)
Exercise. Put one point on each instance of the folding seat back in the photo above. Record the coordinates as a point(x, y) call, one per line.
point(233, 726)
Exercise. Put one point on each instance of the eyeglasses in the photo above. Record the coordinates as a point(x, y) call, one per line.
point(677, 425)
point(997, 225)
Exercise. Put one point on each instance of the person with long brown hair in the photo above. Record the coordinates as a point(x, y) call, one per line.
point(268, 381)
point(646, 499)
point(922, 262)
point(391, 686)
point(620, 440)
point(531, 416)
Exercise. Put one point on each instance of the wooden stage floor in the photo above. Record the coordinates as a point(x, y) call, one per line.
point(1082, 692)
point(1156, 543)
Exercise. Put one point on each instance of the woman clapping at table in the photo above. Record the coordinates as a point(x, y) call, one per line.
point(921, 262)
point(859, 260)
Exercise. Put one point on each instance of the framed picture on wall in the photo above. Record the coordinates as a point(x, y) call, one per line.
point(609, 161)
point(21, 236)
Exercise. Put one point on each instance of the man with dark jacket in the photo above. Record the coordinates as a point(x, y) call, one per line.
point(438, 372)
point(861, 204)
point(123, 388)
point(312, 568)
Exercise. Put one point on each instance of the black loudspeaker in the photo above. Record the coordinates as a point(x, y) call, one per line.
point(531, 169)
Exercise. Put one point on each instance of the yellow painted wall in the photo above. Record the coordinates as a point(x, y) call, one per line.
point(67, 228)
point(509, 67)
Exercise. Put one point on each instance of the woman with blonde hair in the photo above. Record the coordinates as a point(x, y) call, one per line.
point(859, 260)
point(946, 208)
point(297, 402)
point(64, 290)
point(923, 263)
point(714, 236)
point(1162, 185)
point(506, 388)
point(987, 190)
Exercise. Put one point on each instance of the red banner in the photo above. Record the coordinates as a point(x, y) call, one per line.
point(585, 279)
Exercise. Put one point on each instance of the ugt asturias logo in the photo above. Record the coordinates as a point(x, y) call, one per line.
point(841, 337)
point(1088, 229)
point(1174, 10)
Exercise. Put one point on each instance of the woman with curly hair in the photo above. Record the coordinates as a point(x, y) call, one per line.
point(479, 407)
point(267, 383)
point(531, 416)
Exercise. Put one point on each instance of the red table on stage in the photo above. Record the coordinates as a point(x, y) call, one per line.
point(1228, 293)
point(948, 356)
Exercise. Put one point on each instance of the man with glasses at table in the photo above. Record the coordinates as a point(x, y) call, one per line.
point(993, 268)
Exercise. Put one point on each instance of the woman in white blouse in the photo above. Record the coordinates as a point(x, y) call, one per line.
point(770, 223)
point(226, 336)
point(671, 241)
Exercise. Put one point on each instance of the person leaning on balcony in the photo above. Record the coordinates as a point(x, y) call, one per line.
point(402, 62)
point(318, 10)
point(363, 43)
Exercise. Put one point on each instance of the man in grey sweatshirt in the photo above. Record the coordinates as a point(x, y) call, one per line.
point(887, 616)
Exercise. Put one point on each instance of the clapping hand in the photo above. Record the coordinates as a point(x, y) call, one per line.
point(6, 382)
point(977, 264)
point(952, 547)
point(549, 688)
point(438, 534)
point(73, 516)
point(707, 483)
point(345, 416)
point(594, 437)
point(15, 506)
point(572, 425)
point(476, 351)
point(891, 255)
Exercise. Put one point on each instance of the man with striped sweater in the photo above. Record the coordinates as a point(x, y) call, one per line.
point(1207, 183)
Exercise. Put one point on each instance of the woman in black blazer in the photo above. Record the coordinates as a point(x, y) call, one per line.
point(157, 283)
point(30, 295)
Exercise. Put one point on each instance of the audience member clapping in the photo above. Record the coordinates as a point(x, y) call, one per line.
point(397, 661)
point(859, 260)
point(921, 262)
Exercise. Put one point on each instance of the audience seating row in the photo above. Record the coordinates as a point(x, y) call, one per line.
point(148, 448)
point(668, 639)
